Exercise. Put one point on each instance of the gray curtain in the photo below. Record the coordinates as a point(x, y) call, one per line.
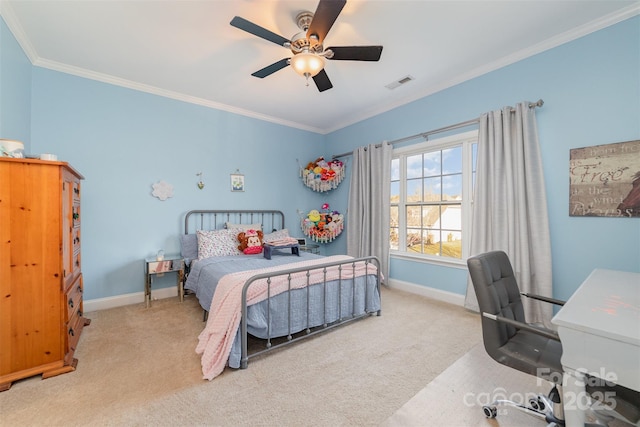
point(368, 213)
point(510, 204)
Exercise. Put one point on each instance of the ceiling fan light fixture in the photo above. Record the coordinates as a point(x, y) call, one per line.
point(309, 54)
point(307, 64)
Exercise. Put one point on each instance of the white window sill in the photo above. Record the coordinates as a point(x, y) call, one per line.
point(445, 262)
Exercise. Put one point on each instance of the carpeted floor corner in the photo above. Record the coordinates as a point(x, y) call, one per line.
point(137, 366)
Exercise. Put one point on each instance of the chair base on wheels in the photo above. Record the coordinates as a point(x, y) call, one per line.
point(550, 409)
point(547, 408)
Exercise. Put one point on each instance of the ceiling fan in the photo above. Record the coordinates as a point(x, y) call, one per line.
point(308, 52)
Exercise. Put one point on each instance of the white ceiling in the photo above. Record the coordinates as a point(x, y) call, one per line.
point(187, 50)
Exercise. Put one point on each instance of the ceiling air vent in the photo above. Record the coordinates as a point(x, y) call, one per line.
point(399, 82)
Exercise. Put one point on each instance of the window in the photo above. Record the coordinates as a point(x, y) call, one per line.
point(431, 189)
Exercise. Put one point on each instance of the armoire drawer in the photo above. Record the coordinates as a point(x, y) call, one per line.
point(76, 263)
point(76, 239)
point(75, 214)
point(74, 329)
point(76, 190)
point(74, 298)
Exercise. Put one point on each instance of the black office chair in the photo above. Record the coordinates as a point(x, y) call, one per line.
point(532, 349)
point(510, 340)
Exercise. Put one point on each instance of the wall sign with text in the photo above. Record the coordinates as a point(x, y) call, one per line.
point(605, 180)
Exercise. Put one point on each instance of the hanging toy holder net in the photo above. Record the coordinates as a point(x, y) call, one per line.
point(321, 175)
point(323, 226)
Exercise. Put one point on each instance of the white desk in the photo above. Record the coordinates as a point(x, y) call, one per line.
point(599, 327)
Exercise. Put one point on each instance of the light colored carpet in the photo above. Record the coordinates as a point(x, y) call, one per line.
point(137, 366)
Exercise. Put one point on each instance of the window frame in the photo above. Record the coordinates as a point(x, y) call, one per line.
point(464, 140)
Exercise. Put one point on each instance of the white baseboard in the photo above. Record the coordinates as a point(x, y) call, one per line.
point(138, 297)
point(437, 294)
point(127, 299)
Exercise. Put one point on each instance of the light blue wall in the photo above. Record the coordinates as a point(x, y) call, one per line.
point(123, 141)
point(591, 89)
point(15, 89)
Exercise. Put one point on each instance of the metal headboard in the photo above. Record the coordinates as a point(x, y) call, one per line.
point(216, 219)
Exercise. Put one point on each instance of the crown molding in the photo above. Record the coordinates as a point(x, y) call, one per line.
point(14, 26)
point(574, 34)
point(117, 81)
point(9, 16)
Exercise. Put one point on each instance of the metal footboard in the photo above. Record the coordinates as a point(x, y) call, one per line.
point(345, 267)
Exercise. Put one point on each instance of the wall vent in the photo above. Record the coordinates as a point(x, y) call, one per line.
point(404, 80)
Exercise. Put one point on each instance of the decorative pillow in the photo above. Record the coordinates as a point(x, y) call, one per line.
point(242, 227)
point(189, 246)
point(276, 235)
point(217, 243)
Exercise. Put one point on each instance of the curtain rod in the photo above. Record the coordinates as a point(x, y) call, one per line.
point(425, 135)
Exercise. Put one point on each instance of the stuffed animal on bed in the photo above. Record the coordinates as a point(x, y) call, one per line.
point(250, 241)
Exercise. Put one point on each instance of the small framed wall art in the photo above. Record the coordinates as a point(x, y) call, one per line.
point(237, 182)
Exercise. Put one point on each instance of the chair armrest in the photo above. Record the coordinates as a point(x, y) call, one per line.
point(547, 333)
point(541, 298)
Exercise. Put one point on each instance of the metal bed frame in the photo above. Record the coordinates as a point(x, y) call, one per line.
point(308, 330)
point(215, 219)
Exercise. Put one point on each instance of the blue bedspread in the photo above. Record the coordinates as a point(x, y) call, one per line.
point(206, 273)
point(324, 306)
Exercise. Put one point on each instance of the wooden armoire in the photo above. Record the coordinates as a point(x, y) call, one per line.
point(41, 316)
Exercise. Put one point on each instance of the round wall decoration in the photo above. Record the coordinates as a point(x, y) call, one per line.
point(321, 175)
point(323, 226)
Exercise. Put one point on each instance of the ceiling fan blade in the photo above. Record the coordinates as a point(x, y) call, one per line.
point(324, 17)
point(257, 30)
point(322, 81)
point(356, 53)
point(270, 69)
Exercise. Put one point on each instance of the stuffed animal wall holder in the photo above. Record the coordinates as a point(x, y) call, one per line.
point(321, 175)
point(323, 227)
